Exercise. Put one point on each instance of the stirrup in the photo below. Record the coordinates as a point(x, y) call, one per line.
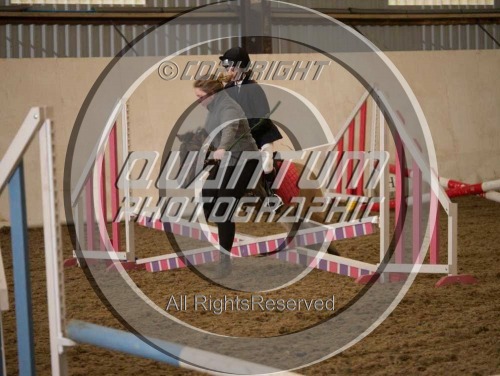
point(279, 204)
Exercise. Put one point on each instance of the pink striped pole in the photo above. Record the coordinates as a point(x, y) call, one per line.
point(340, 149)
point(417, 212)
point(400, 200)
point(417, 209)
point(89, 204)
point(434, 219)
point(102, 192)
point(350, 148)
point(361, 144)
point(113, 176)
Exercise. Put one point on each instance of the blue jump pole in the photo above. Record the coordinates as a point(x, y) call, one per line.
point(113, 339)
point(22, 284)
point(173, 354)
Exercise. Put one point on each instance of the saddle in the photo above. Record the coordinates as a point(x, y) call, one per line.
point(288, 189)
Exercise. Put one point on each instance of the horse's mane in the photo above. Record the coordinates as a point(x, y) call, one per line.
point(192, 140)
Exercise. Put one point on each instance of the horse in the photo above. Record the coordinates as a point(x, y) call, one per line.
point(194, 140)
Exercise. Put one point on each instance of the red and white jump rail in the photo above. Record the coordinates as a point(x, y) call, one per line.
point(359, 270)
point(455, 188)
point(464, 190)
point(486, 189)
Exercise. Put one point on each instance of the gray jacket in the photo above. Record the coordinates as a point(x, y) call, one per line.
point(225, 111)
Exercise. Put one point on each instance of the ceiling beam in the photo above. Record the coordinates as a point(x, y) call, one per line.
point(158, 15)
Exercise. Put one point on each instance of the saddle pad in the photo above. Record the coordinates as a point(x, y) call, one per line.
point(289, 187)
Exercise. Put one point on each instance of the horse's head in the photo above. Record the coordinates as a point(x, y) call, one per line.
point(192, 140)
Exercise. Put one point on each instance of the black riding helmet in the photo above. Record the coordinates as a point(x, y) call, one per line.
point(236, 56)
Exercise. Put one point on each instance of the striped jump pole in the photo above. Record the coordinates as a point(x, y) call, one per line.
point(475, 188)
point(362, 142)
point(463, 190)
point(188, 229)
point(101, 175)
point(326, 262)
point(173, 354)
point(400, 203)
point(115, 195)
point(340, 149)
point(300, 256)
point(353, 129)
point(456, 188)
point(262, 245)
point(350, 148)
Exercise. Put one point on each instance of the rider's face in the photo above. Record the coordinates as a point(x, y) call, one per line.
point(230, 73)
point(233, 71)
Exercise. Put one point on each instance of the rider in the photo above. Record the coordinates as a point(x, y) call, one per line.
point(235, 138)
point(252, 99)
